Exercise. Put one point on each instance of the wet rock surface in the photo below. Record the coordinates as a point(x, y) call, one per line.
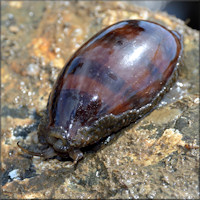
point(145, 160)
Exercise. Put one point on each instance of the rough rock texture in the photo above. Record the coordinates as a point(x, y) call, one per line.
point(145, 160)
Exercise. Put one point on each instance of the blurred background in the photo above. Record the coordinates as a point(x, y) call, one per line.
point(188, 11)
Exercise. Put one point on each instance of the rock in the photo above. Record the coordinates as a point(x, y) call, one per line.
point(145, 160)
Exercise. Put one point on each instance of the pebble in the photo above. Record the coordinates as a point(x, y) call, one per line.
point(13, 29)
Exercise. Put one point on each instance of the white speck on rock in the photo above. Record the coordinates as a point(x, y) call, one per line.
point(97, 173)
point(14, 174)
point(33, 69)
point(196, 101)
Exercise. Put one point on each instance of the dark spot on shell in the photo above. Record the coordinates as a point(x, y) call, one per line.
point(119, 42)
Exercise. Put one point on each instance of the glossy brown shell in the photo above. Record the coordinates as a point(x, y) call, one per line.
point(115, 78)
